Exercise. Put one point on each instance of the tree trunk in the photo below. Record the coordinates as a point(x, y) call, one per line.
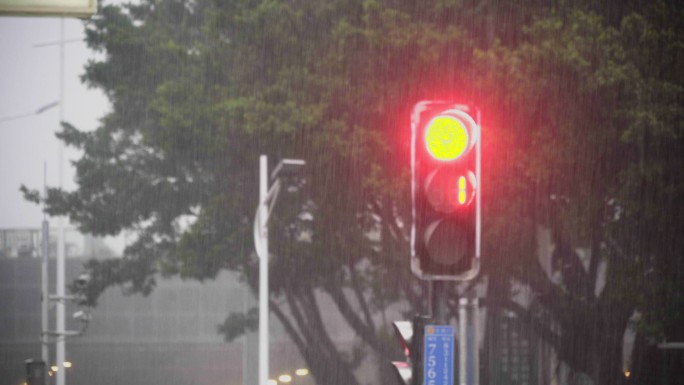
point(600, 354)
point(607, 359)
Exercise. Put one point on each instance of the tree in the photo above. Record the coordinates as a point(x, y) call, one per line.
point(598, 167)
point(582, 129)
point(198, 91)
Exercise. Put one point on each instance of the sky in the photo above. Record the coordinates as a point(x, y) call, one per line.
point(29, 80)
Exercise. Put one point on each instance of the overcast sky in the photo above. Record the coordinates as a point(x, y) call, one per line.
point(29, 80)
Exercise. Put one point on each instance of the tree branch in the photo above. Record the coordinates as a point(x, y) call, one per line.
point(325, 362)
point(356, 286)
point(287, 324)
point(366, 332)
point(534, 324)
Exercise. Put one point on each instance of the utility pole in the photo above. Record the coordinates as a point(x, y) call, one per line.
point(44, 288)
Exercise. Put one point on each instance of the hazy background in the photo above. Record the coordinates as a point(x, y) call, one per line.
point(29, 79)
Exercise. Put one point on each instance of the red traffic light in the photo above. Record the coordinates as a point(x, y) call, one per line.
point(445, 190)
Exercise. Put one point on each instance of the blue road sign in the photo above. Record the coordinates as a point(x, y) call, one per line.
point(438, 365)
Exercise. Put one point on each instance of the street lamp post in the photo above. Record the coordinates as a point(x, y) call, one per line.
point(267, 200)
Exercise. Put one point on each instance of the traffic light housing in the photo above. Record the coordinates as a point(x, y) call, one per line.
point(445, 191)
point(35, 372)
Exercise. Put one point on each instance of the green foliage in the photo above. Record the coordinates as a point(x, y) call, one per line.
point(237, 324)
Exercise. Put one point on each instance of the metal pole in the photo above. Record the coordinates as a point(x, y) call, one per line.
point(45, 295)
point(438, 301)
point(462, 342)
point(245, 347)
point(263, 272)
point(475, 350)
point(44, 287)
point(60, 348)
point(431, 299)
point(469, 359)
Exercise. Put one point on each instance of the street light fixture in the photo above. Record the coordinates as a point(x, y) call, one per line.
point(27, 114)
point(302, 372)
point(267, 200)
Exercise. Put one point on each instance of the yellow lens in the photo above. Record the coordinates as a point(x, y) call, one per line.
point(446, 138)
point(461, 190)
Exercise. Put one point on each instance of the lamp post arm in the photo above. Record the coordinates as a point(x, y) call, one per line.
point(272, 198)
point(258, 236)
point(27, 114)
point(260, 228)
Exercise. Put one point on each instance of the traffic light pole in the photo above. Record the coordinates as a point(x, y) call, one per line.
point(468, 352)
point(437, 301)
point(475, 345)
point(468, 331)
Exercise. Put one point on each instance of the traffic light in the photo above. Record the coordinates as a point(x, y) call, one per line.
point(35, 372)
point(445, 191)
point(411, 336)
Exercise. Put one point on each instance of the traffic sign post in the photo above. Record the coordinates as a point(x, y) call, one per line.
point(469, 359)
point(438, 356)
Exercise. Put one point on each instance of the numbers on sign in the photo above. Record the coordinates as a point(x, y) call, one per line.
point(438, 355)
point(431, 364)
